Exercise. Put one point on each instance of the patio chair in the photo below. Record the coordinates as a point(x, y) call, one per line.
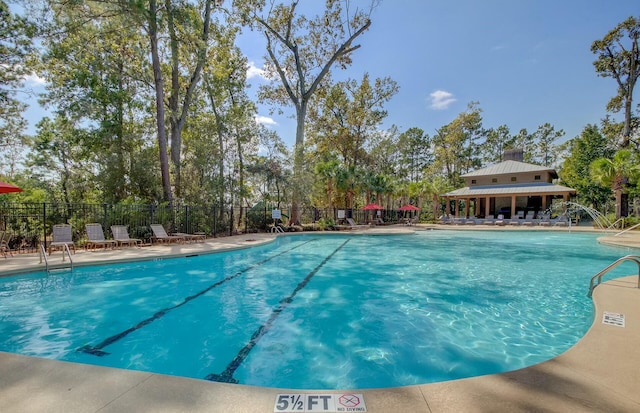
point(4, 244)
point(528, 219)
point(500, 220)
point(353, 225)
point(192, 237)
point(489, 220)
point(61, 237)
point(517, 219)
point(445, 219)
point(95, 237)
point(121, 235)
point(160, 235)
point(545, 220)
point(561, 221)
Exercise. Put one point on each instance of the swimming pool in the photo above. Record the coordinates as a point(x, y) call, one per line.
point(321, 312)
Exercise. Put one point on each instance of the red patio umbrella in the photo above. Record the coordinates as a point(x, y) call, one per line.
point(370, 207)
point(5, 188)
point(408, 207)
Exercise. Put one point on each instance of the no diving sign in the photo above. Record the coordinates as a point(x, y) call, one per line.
point(330, 403)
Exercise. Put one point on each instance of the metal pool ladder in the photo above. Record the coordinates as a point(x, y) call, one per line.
point(597, 279)
point(65, 250)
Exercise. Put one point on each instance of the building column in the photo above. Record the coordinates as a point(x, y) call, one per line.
point(467, 201)
point(513, 205)
point(487, 206)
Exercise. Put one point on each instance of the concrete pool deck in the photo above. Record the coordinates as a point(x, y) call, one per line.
point(601, 373)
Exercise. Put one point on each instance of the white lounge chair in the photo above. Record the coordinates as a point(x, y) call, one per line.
point(560, 221)
point(545, 220)
point(528, 219)
point(61, 237)
point(489, 220)
point(161, 235)
point(121, 235)
point(95, 237)
point(353, 225)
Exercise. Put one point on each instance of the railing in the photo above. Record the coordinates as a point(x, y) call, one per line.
point(598, 277)
point(628, 229)
point(65, 248)
point(43, 256)
point(615, 224)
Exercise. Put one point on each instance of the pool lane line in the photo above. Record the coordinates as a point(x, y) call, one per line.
point(227, 375)
point(97, 349)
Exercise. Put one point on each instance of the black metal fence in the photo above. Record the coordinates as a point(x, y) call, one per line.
point(26, 225)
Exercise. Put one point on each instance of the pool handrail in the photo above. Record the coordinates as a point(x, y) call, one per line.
point(43, 254)
point(598, 276)
point(628, 229)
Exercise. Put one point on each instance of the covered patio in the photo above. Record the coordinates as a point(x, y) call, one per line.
point(481, 201)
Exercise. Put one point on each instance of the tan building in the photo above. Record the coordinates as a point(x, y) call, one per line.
point(506, 188)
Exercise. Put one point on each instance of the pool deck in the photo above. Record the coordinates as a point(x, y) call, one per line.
point(601, 373)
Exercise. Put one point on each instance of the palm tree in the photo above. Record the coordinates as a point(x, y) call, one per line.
point(435, 187)
point(329, 171)
point(617, 173)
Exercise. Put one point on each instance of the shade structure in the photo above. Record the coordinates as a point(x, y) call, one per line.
point(5, 188)
point(408, 208)
point(370, 207)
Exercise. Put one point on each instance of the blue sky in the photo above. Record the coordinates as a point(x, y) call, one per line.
point(526, 62)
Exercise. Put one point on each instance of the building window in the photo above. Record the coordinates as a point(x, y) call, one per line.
point(494, 180)
point(473, 181)
point(513, 179)
point(536, 178)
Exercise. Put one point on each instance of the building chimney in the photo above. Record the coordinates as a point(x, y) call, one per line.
point(513, 155)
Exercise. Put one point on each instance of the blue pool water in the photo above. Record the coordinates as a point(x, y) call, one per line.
point(320, 312)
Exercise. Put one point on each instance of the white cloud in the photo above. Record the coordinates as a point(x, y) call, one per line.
point(34, 80)
point(265, 120)
point(441, 99)
point(254, 71)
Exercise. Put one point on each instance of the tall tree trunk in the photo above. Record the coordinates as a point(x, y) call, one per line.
point(157, 78)
point(177, 115)
point(220, 133)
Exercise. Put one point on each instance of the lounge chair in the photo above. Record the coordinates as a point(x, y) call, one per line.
point(161, 235)
point(95, 237)
point(121, 235)
point(545, 220)
point(489, 220)
point(528, 219)
point(61, 237)
point(353, 225)
point(4, 244)
point(500, 220)
point(192, 237)
point(560, 221)
point(446, 219)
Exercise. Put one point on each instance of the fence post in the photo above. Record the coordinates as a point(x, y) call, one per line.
point(186, 219)
point(215, 222)
point(246, 219)
point(104, 214)
point(44, 223)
